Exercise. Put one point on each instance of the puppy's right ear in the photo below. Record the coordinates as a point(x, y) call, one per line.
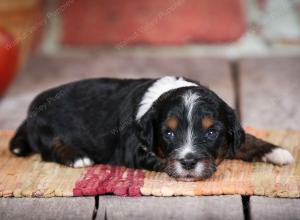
point(144, 132)
point(145, 128)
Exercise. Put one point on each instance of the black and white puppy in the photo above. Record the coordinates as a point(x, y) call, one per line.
point(169, 124)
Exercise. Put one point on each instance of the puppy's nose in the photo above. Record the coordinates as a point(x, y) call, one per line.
point(188, 162)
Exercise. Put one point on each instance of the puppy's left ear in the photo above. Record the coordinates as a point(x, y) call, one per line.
point(235, 132)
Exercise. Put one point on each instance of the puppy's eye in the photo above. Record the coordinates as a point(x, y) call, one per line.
point(169, 133)
point(211, 134)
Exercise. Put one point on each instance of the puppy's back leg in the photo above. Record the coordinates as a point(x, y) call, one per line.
point(69, 156)
point(19, 144)
point(255, 149)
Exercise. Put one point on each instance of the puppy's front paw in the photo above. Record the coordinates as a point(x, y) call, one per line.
point(82, 162)
point(147, 159)
point(278, 156)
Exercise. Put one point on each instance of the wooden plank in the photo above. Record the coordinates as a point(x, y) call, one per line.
point(274, 209)
point(210, 207)
point(50, 208)
point(43, 72)
point(270, 92)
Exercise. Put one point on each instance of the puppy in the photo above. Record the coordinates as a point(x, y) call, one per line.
point(168, 124)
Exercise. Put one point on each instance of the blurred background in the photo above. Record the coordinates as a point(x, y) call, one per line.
point(248, 51)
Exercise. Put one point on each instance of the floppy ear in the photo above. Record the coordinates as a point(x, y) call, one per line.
point(235, 132)
point(145, 129)
point(145, 157)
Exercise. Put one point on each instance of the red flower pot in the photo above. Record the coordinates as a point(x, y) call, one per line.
point(9, 57)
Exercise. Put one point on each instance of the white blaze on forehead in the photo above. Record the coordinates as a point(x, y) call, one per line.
point(158, 88)
point(190, 100)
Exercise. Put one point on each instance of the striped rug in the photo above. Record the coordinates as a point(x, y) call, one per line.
point(30, 177)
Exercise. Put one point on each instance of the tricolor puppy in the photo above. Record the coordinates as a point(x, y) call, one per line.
point(170, 124)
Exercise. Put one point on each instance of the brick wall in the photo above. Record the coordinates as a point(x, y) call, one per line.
point(122, 22)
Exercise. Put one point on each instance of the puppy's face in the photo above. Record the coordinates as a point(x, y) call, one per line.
point(194, 134)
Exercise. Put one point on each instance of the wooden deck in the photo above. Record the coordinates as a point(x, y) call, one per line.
point(264, 90)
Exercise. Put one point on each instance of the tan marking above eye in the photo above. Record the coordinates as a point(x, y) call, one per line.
point(172, 123)
point(207, 122)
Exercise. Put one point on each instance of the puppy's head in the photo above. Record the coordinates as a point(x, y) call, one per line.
point(193, 130)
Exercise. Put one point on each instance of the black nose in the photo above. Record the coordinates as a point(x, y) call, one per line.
point(188, 162)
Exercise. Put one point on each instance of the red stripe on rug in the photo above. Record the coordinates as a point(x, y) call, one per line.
point(103, 179)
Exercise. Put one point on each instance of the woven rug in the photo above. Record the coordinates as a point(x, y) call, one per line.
point(30, 177)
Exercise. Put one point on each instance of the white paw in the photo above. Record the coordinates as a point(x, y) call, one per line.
point(278, 156)
point(17, 151)
point(83, 162)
